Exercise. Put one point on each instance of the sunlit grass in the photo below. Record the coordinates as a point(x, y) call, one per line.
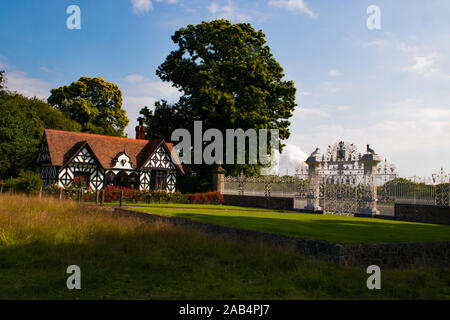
point(333, 228)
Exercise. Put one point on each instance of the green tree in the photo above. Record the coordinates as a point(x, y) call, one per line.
point(28, 181)
point(164, 120)
point(22, 123)
point(94, 103)
point(229, 79)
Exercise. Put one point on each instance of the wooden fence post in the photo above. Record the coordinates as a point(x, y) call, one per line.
point(103, 197)
point(121, 196)
point(80, 193)
point(96, 197)
point(60, 194)
point(40, 193)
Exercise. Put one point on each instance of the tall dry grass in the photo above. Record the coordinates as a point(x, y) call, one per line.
point(28, 220)
point(25, 219)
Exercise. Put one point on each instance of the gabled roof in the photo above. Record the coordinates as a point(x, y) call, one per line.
point(69, 156)
point(63, 145)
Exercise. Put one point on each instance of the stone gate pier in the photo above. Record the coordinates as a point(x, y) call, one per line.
point(369, 201)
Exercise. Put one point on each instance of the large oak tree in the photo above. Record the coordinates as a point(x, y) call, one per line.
point(229, 79)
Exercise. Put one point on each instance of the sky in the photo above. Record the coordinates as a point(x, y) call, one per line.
point(388, 87)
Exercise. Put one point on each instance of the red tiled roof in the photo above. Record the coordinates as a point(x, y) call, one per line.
point(62, 146)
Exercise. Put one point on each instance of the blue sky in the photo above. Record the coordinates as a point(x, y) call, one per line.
point(387, 87)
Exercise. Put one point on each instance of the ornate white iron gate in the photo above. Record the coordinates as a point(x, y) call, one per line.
point(345, 194)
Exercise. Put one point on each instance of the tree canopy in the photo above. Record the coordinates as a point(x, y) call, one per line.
point(22, 123)
point(229, 79)
point(94, 103)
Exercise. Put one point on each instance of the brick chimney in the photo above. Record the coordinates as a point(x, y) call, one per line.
point(140, 130)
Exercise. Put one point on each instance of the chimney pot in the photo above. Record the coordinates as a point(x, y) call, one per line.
point(140, 130)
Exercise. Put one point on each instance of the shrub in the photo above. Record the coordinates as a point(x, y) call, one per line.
point(27, 181)
point(53, 188)
point(178, 197)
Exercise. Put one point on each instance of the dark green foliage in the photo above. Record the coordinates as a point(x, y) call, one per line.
point(93, 102)
point(22, 123)
point(164, 120)
point(28, 181)
point(229, 79)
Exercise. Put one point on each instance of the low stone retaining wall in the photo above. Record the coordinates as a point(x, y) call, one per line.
point(259, 201)
point(422, 213)
point(384, 255)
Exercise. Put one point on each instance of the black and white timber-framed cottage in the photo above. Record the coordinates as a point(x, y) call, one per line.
point(104, 160)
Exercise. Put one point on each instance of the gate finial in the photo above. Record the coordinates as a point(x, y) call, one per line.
point(369, 150)
point(315, 153)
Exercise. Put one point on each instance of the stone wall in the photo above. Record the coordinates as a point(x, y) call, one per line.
point(259, 201)
point(384, 255)
point(422, 213)
point(394, 255)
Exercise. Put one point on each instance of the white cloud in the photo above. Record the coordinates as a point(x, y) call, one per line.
point(343, 108)
point(214, 7)
point(134, 78)
point(334, 73)
point(141, 6)
point(423, 65)
point(139, 91)
point(412, 134)
point(30, 87)
point(417, 110)
point(290, 159)
point(330, 87)
point(304, 112)
point(405, 47)
point(140, 86)
point(376, 43)
point(228, 11)
point(45, 69)
point(295, 6)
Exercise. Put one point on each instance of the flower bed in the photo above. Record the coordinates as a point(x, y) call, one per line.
point(213, 197)
point(112, 194)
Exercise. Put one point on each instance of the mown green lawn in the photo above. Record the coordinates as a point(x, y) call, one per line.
point(123, 257)
point(341, 229)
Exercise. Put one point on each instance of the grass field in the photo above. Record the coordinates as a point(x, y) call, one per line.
point(333, 228)
point(125, 258)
